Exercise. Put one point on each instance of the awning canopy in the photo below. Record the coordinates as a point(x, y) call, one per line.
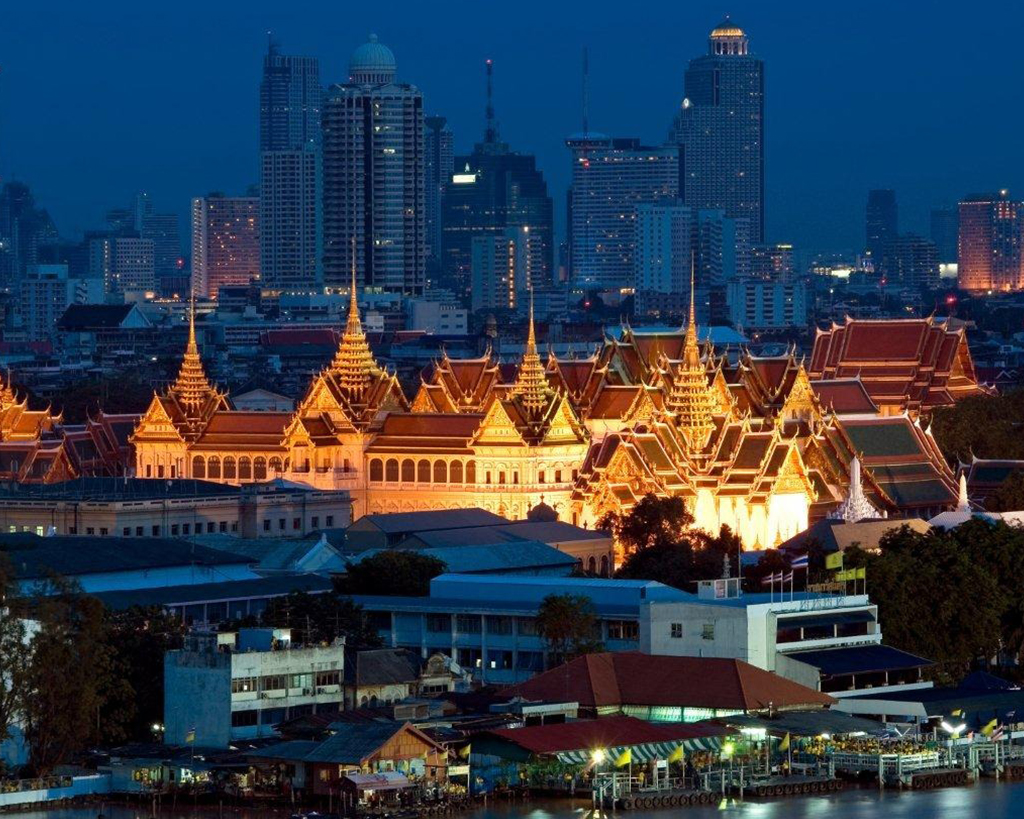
point(643, 753)
point(807, 723)
point(859, 660)
point(833, 619)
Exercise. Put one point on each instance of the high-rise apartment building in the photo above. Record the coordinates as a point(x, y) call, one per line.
point(663, 255)
point(290, 191)
point(881, 225)
point(45, 293)
point(911, 261)
point(374, 176)
point(610, 179)
point(439, 151)
point(501, 269)
point(945, 229)
point(163, 231)
point(720, 129)
point(225, 242)
point(124, 263)
point(991, 243)
point(495, 189)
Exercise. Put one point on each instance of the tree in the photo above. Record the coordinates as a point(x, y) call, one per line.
point(399, 572)
point(320, 618)
point(71, 678)
point(1009, 497)
point(568, 624)
point(986, 426)
point(14, 653)
point(653, 523)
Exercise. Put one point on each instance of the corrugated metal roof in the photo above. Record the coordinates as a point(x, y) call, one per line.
point(859, 659)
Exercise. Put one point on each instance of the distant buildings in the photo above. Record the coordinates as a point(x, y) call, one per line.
point(991, 243)
point(374, 176)
point(439, 151)
point(290, 191)
point(881, 224)
point(24, 230)
point(225, 242)
point(45, 293)
point(495, 192)
point(720, 129)
point(124, 263)
point(757, 304)
point(610, 179)
point(501, 268)
point(663, 255)
point(945, 230)
point(771, 262)
point(912, 261)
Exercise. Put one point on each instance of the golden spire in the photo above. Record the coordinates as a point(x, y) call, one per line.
point(191, 386)
point(691, 397)
point(531, 383)
point(7, 397)
point(353, 364)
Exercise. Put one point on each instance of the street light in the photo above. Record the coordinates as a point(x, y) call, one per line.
point(597, 756)
point(953, 730)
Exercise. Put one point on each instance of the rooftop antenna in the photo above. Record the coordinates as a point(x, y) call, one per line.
point(586, 91)
point(271, 44)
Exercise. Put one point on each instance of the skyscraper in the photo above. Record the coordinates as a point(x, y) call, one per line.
point(494, 189)
point(610, 179)
point(881, 225)
point(289, 142)
point(991, 243)
point(912, 261)
point(500, 269)
point(662, 257)
point(720, 129)
point(945, 229)
point(373, 176)
point(439, 149)
point(225, 242)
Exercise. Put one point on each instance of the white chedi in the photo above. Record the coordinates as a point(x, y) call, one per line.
point(856, 506)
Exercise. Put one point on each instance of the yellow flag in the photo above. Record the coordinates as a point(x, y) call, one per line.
point(190, 736)
point(784, 745)
point(860, 574)
point(834, 560)
point(990, 726)
point(625, 758)
point(465, 751)
point(676, 755)
point(958, 712)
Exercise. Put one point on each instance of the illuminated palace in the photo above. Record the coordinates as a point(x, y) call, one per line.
point(752, 443)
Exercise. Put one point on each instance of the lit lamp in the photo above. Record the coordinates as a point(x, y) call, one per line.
point(953, 730)
point(598, 756)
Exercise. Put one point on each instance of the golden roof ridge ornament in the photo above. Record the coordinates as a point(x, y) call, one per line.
point(531, 382)
point(354, 365)
point(192, 388)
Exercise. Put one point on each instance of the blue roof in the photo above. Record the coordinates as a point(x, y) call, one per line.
point(453, 605)
point(274, 586)
point(859, 659)
point(516, 556)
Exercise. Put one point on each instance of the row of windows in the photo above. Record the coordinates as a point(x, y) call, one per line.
point(282, 682)
point(282, 523)
point(423, 471)
point(503, 625)
point(244, 469)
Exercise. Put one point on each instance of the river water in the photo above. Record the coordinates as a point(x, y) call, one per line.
point(986, 800)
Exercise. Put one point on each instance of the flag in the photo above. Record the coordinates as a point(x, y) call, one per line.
point(801, 562)
point(834, 560)
point(998, 734)
point(190, 736)
point(784, 745)
point(788, 578)
point(625, 758)
point(860, 574)
point(772, 578)
point(676, 755)
point(990, 726)
point(959, 712)
point(465, 751)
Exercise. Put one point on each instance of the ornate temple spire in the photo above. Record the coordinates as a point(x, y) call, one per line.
point(531, 382)
point(192, 387)
point(856, 506)
point(691, 398)
point(354, 364)
point(7, 397)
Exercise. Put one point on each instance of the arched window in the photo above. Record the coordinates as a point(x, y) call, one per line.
point(213, 467)
point(275, 466)
point(423, 471)
point(244, 468)
point(408, 471)
point(376, 470)
point(591, 565)
point(604, 565)
point(259, 469)
point(198, 467)
point(440, 472)
point(229, 469)
point(391, 472)
point(471, 472)
point(456, 472)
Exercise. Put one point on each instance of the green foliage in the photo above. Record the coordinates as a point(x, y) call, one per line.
point(568, 625)
point(320, 618)
point(1009, 497)
point(125, 392)
point(986, 426)
point(14, 652)
point(398, 572)
point(654, 523)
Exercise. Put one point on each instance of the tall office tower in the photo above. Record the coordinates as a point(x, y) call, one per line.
point(290, 193)
point(720, 129)
point(610, 179)
point(162, 229)
point(124, 263)
point(881, 225)
point(771, 262)
point(945, 229)
point(373, 176)
point(439, 150)
point(912, 261)
point(991, 243)
point(501, 268)
point(722, 248)
point(24, 230)
point(225, 242)
point(494, 189)
point(662, 258)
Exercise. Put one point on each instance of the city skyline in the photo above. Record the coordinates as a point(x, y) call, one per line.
point(821, 158)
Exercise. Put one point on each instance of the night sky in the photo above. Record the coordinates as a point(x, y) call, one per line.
point(99, 100)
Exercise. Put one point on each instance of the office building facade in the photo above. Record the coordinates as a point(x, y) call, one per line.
point(991, 243)
point(881, 225)
point(912, 261)
point(720, 129)
point(663, 256)
point(439, 149)
point(374, 177)
point(225, 242)
point(945, 227)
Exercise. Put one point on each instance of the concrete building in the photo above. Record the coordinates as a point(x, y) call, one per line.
point(720, 129)
point(374, 176)
point(437, 317)
point(234, 686)
point(991, 243)
point(225, 242)
point(163, 231)
point(610, 179)
point(290, 194)
point(830, 641)
point(911, 261)
point(46, 291)
point(124, 263)
point(771, 262)
point(881, 224)
point(139, 508)
point(756, 304)
point(663, 254)
point(502, 266)
point(439, 150)
point(945, 229)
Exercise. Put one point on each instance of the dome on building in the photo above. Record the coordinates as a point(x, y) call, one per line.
point(372, 63)
point(727, 28)
point(542, 513)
